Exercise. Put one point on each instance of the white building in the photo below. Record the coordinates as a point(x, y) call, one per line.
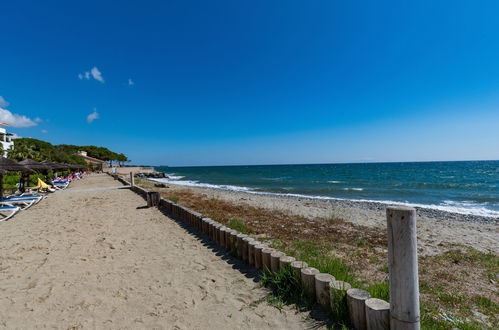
point(6, 141)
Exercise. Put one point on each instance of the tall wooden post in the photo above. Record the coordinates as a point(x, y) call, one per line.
point(403, 268)
point(132, 180)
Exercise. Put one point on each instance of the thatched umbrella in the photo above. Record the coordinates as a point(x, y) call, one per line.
point(34, 165)
point(55, 166)
point(7, 165)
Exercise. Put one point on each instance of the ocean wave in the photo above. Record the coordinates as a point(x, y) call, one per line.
point(173, 176)
point(334, 181)
point(191, 183)
point(465, 208)
point(354, 189)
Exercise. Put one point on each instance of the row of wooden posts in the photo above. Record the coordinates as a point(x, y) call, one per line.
point(365, 312)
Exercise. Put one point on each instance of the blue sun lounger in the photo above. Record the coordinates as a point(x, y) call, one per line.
point(8, 212)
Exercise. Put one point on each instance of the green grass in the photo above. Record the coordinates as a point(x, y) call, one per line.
point(317, 255)
point(173, 198)
point(239, 225)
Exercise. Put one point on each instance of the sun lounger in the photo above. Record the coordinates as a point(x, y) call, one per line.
point(6, 212)
point(23, 204)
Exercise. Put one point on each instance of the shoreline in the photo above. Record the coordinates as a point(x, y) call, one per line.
point(437, 230)
point(424, 210)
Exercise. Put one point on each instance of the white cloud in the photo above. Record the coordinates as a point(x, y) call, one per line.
point(38, 120)
point(15, 136)
point(44, 131)
point(3, 102)
point(130, 82)
point(96, 74)
point(93, 116)
point(14, 119)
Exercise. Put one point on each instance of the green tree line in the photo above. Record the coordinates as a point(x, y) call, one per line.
point(39, 150)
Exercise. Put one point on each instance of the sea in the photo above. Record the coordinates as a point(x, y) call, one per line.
point(466, 187)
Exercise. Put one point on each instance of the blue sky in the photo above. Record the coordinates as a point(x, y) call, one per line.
point(255, 82)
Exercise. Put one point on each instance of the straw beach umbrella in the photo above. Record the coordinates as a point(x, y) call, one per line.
point(7, 165)
point(34, 165)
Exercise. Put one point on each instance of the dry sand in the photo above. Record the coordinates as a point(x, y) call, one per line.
point(90, 257)
point(437, 230)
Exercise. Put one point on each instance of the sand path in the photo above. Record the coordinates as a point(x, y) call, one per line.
point(90, 257)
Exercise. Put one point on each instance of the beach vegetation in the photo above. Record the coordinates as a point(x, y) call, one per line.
point(356, 254)
point(239, 225)
point(173, 198)
point(39, 150)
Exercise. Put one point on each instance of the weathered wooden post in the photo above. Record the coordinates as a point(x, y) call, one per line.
point(322, 288)
point(132, 180)
point(285, 261)
point(240, 245)
point(296, 266)
point(356, 301)
point(258, 255)
point(274, 260)
point(377, 314)
point(403, 268)
point(246, 244)
point(223, 229)
point(266, 252)
point(251, 252)
point(308, 280)
point(153, 198)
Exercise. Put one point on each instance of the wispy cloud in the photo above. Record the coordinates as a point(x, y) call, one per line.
point(130, 82)
point(97, 74)
point(44, 131)
point(93, 116)
point(3, 102)
point(94, 73)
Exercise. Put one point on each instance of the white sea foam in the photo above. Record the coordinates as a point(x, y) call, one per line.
point(333, 181)
point(355, 189)
point(191, 183)
point(466, 208)
point(174, 177)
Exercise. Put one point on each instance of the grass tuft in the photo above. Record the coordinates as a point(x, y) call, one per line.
point(239, 225)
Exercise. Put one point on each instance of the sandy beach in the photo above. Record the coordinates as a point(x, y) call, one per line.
point(93, 257)
point(437, 230)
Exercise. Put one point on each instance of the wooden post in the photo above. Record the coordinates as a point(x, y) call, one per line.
point(322, 286)
point(222, 231)
point(228, 238)
point(308, 280)
point(153, 198)
point(356, 299)
point(258, 255)
point(285, 261)
point(266, 252)
point(240, 245)
point(251, 252)
point(297, 266)
point(338, 299)
point(377, 314)
point(132, 180)
point(403, 268)
point(274, 260)
point(246, 242)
